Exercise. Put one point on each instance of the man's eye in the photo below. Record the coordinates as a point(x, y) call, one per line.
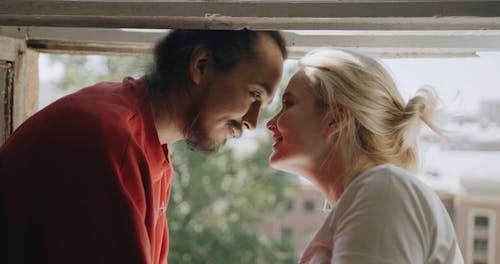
point(256, 95)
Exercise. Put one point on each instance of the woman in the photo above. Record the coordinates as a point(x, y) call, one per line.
point(345, 127)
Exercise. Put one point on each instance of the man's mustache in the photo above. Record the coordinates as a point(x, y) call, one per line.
point(238, 126)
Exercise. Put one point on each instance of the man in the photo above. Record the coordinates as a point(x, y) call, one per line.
point(87, 179)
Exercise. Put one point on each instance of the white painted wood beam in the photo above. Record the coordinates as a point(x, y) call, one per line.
point(381, 43)
point(347, 14)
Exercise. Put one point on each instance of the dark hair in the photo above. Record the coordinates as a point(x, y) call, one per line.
point(228, 47)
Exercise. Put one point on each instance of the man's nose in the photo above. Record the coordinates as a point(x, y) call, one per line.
point(251, 118)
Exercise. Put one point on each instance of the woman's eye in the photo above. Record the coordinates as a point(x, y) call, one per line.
point(285, 104)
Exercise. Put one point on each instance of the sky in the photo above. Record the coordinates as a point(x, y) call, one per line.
point(460, 82)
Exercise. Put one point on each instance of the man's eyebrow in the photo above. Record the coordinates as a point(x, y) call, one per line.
point(266, 87)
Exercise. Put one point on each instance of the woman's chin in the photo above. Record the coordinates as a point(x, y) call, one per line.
point(279, 163)
point(291, 163)
point(274, 159)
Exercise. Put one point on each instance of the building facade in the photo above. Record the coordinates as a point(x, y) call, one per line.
point(303, 215)
point(477, 221)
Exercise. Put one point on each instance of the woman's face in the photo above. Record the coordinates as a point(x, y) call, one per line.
point(298, 129)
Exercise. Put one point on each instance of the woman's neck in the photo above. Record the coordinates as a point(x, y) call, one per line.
point(327, 179)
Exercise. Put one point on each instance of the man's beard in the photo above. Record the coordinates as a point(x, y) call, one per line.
point(196, 136)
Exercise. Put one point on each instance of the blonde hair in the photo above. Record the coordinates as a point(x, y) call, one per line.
point(377, 125)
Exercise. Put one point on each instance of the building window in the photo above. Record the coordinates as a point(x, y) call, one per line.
point(480, 246)
point(481, 221)
point(6, 99)
point(309, 206)
point(289, 206)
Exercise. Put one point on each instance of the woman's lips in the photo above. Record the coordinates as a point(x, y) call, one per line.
point(277, 142)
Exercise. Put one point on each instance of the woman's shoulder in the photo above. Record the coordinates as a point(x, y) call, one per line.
point(386, 177)
point(388, 185)
point(391, 204)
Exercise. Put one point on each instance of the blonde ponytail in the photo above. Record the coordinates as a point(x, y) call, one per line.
point(429, 106)
point(420, 109)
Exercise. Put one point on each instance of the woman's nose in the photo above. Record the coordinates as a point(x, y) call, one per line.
point(271, 124)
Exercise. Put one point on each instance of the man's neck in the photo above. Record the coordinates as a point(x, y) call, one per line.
point(168, 120)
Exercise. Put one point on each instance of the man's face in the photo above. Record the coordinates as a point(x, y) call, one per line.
point(231, 101)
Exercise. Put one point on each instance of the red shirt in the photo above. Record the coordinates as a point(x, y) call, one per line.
point(86, 180)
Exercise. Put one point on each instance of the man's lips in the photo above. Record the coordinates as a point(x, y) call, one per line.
point(234, 131)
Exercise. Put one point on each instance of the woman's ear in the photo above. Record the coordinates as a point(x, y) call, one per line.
point(333, 125)
point(331, 129)
point(199, 63)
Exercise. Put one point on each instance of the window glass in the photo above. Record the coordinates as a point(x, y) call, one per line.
point(481, 221)
point(480, 245)
point(309, 206)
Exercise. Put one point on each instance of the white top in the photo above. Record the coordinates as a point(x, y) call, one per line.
point(386, 215)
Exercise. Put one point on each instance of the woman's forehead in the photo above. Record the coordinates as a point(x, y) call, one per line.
point(299, 85)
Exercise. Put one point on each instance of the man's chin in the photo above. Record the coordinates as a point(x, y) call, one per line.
point(204, 147)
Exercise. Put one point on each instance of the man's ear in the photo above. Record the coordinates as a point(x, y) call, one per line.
point(201, 58)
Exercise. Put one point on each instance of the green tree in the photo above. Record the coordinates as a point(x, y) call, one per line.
point(217, 202)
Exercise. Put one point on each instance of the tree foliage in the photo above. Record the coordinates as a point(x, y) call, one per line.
point(217, 202)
